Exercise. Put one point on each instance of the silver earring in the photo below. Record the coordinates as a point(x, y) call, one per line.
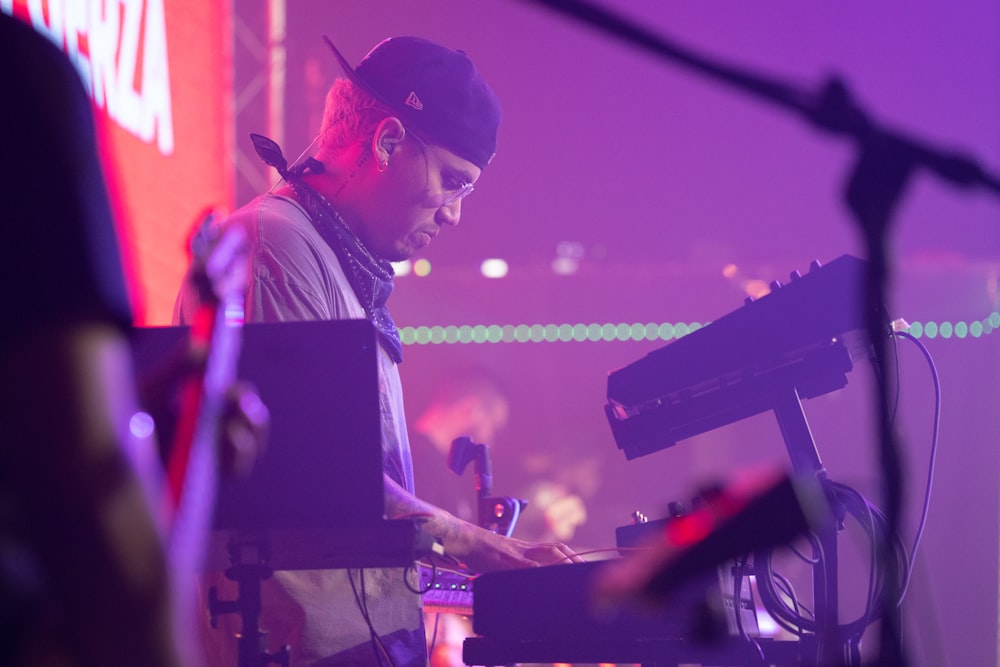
point(382, 165)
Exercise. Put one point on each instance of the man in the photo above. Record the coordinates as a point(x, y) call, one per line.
point(404, 138)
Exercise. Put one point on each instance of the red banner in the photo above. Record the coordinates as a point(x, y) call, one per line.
point(160, 75)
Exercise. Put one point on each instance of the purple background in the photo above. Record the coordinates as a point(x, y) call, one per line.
point(661, 178)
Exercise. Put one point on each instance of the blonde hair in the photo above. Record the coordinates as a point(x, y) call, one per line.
point(350, 116)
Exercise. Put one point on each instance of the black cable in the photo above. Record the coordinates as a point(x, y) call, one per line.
point(899, 382)
point(932, 459)
point(434, 637)
point(801, 556)
point(416, 572)
point(866, 510)
point(789, 590)
point(874, 524)
point(738, 570)
point(362, 601)
point(789, 619)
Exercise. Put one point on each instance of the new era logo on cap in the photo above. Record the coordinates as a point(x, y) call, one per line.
point(413, 101)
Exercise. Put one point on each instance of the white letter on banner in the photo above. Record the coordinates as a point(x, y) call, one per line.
point(128, 108)
point(104, 25)
point(156, 114)
point(75, 22)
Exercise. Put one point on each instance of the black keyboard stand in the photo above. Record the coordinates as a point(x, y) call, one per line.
point(248, 573)
point(806, 461)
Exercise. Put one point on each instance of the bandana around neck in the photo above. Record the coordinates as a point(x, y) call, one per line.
point(370, 276)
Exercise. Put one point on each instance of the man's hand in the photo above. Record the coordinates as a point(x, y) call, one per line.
point(478, 549)
point(488, 551)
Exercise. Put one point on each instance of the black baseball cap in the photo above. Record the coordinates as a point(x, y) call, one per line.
point(436, 91)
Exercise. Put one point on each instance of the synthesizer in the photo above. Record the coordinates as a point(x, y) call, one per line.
point(803, 335)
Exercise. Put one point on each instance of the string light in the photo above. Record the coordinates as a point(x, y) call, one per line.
point(422, 268)
point(545, 333)
point(959, 330)
point(595, 332)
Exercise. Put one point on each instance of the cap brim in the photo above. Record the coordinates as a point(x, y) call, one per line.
point(351, 74)
point(348, 70)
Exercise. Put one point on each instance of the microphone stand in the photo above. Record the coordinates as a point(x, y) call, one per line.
point(886, 160)
point(498, 514)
